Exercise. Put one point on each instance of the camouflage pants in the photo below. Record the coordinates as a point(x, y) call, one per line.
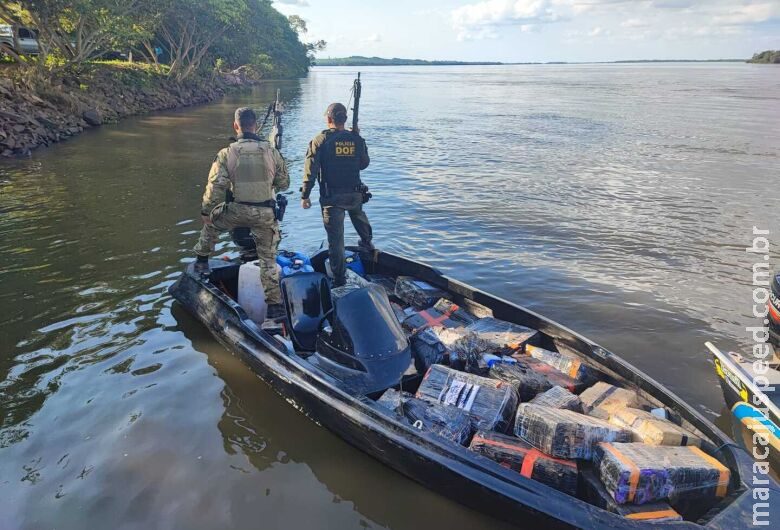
point(333, 209)
point(265, 232)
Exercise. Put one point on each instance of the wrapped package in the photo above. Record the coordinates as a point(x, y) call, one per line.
point(517, 455)
point(417, 293)
point(386, 282)
point(605, 395)
point(649, 428)
point(564, 363)
point(342, 291)
point(391, 399)
point(489, 402)
point(442, 420)
point(558, 398)
point(501, 335)
point(463, 347)
point(595, 493)
point(564, 433)
point(526, 381)
point(636, 473)
point(443, 314)
point(427, 350)
point(400, 315)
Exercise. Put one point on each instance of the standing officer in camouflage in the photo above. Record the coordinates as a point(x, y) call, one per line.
point(335, 158)
point(242, 184)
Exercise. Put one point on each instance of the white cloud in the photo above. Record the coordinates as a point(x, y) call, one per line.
point(479, 20)
point(598, 31)
point(374, 37)
point(302, 3)
point(746, 14)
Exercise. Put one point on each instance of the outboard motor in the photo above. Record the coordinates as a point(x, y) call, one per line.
point(774, 311)
point(363, 344)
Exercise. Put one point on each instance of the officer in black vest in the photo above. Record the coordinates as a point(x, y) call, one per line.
point(335, 158)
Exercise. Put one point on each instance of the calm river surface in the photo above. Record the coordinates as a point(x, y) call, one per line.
point(617, 199)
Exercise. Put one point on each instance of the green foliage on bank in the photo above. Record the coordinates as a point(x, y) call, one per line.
point(766, 57)
point(178, 38)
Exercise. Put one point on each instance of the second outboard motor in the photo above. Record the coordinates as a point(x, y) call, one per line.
point(364, 346)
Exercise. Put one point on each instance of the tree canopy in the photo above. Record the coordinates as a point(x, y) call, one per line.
point(181, 37)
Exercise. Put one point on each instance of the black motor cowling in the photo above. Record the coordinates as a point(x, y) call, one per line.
point(363, 344)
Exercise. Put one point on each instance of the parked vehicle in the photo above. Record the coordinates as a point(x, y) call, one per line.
point(26, 42)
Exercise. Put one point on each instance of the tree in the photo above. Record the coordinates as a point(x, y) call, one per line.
point(189, 28)
point(81, 30)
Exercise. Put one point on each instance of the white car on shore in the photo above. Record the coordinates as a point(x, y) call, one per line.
point(27, 40)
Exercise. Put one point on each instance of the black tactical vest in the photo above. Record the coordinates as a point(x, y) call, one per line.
point(340, 161)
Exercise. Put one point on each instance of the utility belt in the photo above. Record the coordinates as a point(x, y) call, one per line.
point(360, 188)
point(265, 204)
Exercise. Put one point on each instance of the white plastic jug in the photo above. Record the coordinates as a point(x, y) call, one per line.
point(251, 295)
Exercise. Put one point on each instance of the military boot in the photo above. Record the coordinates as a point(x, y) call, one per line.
point(366, 246)
point(202, 265)
point(275, 311)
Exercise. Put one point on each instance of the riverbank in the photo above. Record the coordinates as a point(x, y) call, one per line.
point(39, 110)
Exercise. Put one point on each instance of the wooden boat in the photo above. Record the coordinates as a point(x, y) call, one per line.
point(439, 464)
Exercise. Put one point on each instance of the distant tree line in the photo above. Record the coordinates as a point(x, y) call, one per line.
point(178, 37)
point(767, 57)
point(357, 60)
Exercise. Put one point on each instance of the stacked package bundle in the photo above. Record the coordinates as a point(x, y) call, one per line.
point(441, 420)
point(427, 349)
point(639, 473)
point(564, 433)
point(530, 377)
point(517, 455)
point(463, 347)
point(417, 293)
point(501, 335)
point(595, 493)
point(605, 395)
point(649, 428)
point(526, 381)
point(558, 398)
point(490, 403)
point(443, 314)
point(385, 282)
point(565, 363)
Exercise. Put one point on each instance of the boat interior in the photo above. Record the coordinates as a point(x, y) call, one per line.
point(359, 338)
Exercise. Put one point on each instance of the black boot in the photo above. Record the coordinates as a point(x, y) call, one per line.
point(275, 311)
point(202, 264)
point(366, 246)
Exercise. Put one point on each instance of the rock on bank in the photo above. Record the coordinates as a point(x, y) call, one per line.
point(38, 110)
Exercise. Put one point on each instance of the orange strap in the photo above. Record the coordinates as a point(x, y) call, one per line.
point(660, 514)
point(633, 479)
point(723, 478)
point(529, 461)
point(527, 452)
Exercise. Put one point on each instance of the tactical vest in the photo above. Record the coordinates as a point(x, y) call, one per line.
point(340, 161)
point(251, 169)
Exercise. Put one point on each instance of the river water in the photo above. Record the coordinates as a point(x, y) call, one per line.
point(617, 199)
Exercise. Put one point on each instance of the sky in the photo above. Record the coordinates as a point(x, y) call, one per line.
point(541, 30)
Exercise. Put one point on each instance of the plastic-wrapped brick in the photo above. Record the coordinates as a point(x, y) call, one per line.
point(517, 455)
point(501, 335)
point(463, 346)
point(605, 395)
point(636, 473)
point(442, 420)
point(526, 381)
point(391, 399)
point(444, 314)
point(565, 363)
point(418, 293)
point(427, 350)
point(489, 402)
point(558, 398)
point(650, 429)
point(564, 433)
point(595, 493)
point(385, 282)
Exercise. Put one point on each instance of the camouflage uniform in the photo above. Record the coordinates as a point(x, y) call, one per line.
point(335, 159)
point(223, 178)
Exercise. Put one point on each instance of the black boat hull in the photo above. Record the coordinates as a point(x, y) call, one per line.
point(452, 471)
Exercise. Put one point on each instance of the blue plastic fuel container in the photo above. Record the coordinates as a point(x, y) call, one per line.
point(354, 263)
